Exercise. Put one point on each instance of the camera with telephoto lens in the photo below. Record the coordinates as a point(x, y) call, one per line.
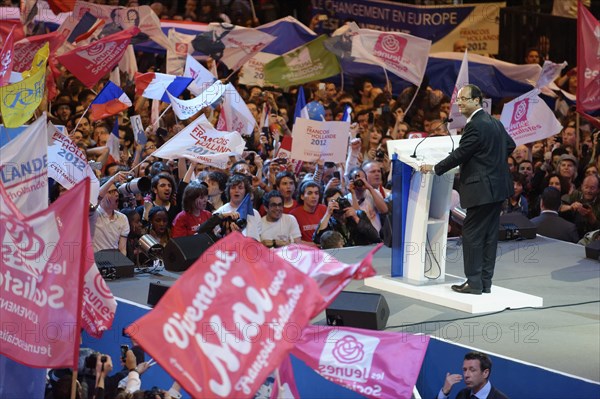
point(356, 180)
point(343, 203)
point(379, 154)
point(241, 223)
point(134, 186)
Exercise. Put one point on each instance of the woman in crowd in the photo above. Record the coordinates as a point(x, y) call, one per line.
point(195, 198)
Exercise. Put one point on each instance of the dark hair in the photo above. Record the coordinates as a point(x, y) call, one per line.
point(564, 184)
point(303, 186)
point(240, 162)
point(271, 194)
point(236, 179)
point(220, 178)
point(330, 192)
point(194, 190)
point(156, 180)
point(353, 171)
point(331, 239)
point(519, 178)
point(130, 213)
point(485, 362)
point(551, 198)
point(128, 133)
point(475, 93)
point(283, 174)
point(156, 209)
point(158, 167)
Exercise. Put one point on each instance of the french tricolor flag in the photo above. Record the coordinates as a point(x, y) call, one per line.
point(110, 101)
point(155, 85)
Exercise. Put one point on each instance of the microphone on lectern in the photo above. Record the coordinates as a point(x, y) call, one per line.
point(443, 122)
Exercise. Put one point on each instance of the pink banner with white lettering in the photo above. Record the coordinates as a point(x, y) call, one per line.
point(230, 320)
point(528, 118)
point(41, 279)
point(375, 364)
point(588, 62)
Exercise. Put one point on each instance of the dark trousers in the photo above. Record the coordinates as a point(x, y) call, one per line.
point(480, 241)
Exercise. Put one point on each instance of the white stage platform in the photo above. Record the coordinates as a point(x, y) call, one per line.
point(441, 294)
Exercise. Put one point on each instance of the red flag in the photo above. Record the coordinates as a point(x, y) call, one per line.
point(588, 63)
point(99, 304)
point(376, 364)
point(26, 49)
point(6, 58)
point(8, 25)
point(41, 279)
point(330, 274)
point(58, 6)
point(229, 321)
point(90, 63)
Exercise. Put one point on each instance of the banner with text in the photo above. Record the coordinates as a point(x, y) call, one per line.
point(236, 312)
point(67, 163)
point(202, 143)
point(528, 118)
point(477, 24)
point(24, 168)
point(313, 140)
point(41, 279)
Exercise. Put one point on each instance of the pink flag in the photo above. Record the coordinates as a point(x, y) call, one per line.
point(588, 63)
point(90, 63)
point(374, 363)
point(229, 321)
point(400, 53)
point(99, 304)
point(6, 58)
point(528, 118)
point(25, 49)
point(42, 279)
point(330, 274)
point(284, 378)
point(458, 120)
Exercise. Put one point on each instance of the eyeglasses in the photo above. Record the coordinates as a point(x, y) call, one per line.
point(464, 99)
point(276, 205)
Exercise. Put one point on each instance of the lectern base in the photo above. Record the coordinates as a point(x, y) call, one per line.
point(441, 294)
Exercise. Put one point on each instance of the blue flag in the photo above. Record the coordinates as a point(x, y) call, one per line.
point(245, 208)
point(301, 111)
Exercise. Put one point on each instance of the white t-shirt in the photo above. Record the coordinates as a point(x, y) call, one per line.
point(253, 228)
point(285, 229)
point(108, 231)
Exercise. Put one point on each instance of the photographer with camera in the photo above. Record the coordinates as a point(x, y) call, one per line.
point(352, 224)
point(365, 197)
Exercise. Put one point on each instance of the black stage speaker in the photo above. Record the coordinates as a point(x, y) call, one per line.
point(358, 309)
point(180, 253)
point(156, 291)
point(515, 226)
point(592, 250)
point(112, 264)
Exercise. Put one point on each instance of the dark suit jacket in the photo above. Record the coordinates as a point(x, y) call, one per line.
point(553, 226)
point(494, 394)
point(482, 155)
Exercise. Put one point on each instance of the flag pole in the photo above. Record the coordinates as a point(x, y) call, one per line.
point(74, 383)
point(81, 117)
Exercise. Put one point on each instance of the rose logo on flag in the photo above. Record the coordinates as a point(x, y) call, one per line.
point(348, 357)
point(21, 246)
point(348, 350)
point(391, 44)
point(101, 287)
point(520, 110)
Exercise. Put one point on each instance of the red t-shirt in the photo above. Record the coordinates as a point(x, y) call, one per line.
point(309, 222)
point(185, 224)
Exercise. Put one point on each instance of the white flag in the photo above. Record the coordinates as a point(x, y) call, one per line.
point(550, 71)
point(235, 114)
point(67, 163)
point(182, 47)
point(527, 119)
point(459, 120)
point(313, 140)
point(24, 170)
point(185, 109)
point(202, 143)
point(202, 77)
point(400, 53)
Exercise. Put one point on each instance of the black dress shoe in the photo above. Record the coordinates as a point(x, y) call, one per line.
point(487, 290)
point(465, 289)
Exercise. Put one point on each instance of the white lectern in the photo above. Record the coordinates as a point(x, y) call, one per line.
point(426, 222)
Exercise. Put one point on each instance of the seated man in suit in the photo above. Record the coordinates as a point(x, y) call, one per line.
point(551, 225)
point(477, 368)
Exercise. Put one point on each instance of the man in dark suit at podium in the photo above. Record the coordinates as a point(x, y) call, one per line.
point(485, 182)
